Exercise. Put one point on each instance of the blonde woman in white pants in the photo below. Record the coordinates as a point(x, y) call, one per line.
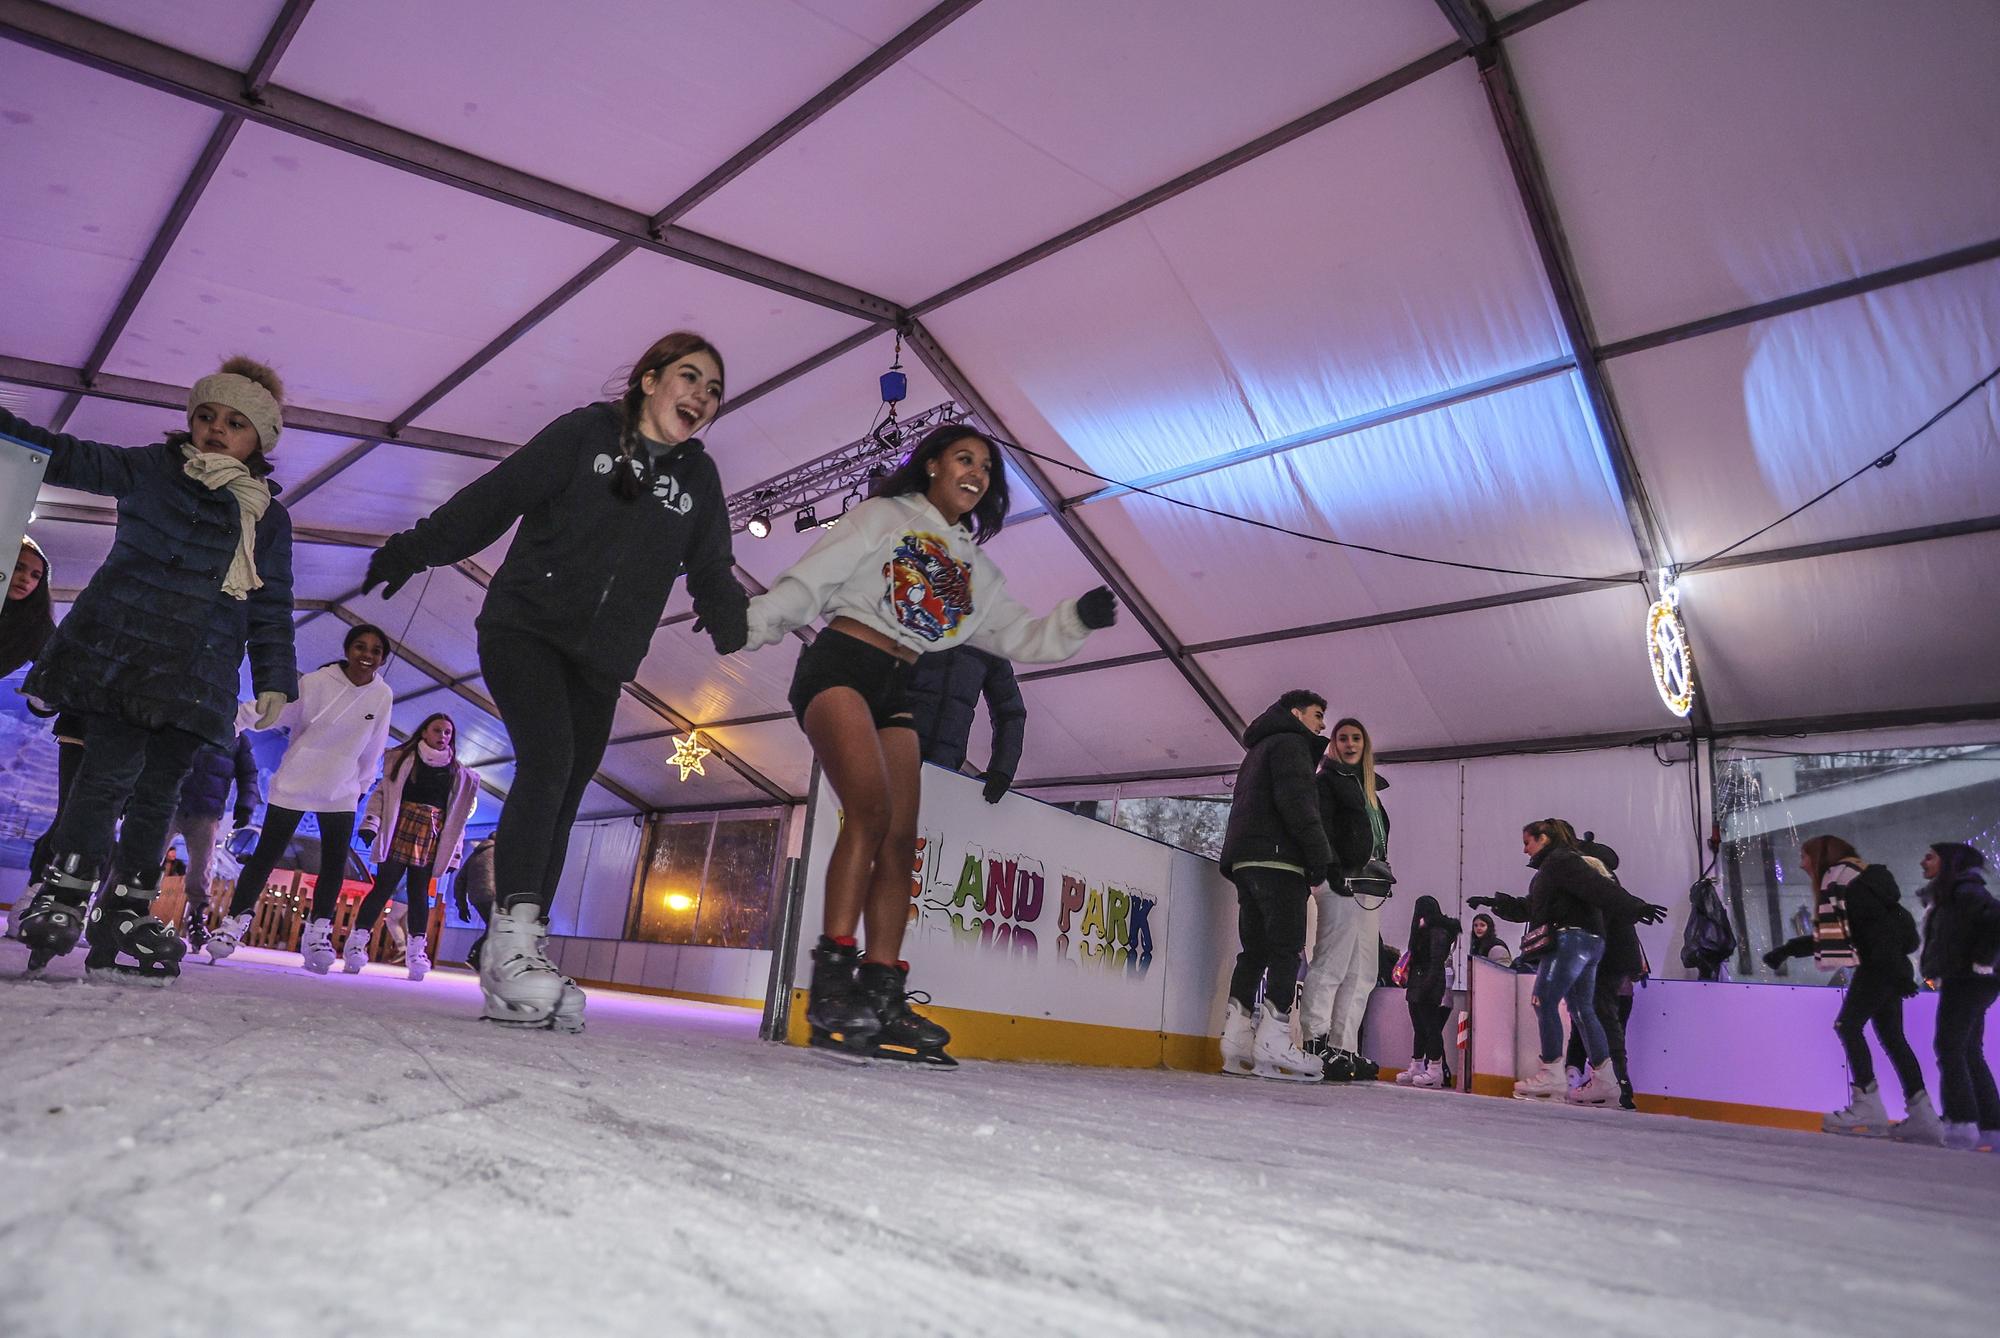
point(1347, 938)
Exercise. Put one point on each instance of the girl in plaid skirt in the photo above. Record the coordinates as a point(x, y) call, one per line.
point(415, 822)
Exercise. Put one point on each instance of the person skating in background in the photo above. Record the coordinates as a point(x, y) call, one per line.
point(416, 817)
point(614, 501)
point(1275, 851)
point(151, 654)
point(1343, 970)
point(903, 574)
point(944, 692)
point(27, 620)
point(1860, 924)
point(205, 797)
point(1432, 934)
point(338, 728)
point(473, 891)
point(1486, 942)
point(1961, 950)
point(1620, 970)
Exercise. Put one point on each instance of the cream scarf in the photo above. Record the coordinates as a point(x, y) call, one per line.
point(212, 470)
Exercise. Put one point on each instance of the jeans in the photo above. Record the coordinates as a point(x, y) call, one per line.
point(1271, 922)
point(336, 831)
point(1874, 996)
point(559, 719)
point(1569, 973)
point(1963, 1074)
point(129, 769)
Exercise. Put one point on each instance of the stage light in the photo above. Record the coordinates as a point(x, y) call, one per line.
point(760, 525)
point(805, 520)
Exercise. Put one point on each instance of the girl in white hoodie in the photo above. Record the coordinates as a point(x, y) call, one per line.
point(339, 726)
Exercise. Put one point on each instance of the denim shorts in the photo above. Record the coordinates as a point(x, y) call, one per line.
point(837, 660)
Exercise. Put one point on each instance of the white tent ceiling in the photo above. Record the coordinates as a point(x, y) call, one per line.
point(1574, 289)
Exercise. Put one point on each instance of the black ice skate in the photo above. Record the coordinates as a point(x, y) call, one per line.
point(122, 925)
point(841, 1018)
point(905, 1033)
point(54, 919)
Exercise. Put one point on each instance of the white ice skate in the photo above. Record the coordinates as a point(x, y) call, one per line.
point(1962, 1137)
point(416, 955)
point(316, 947)
point(1862, 1115)
point(228, 936)
point(1600, 1089)
point(1575, 1078)
point(354, 953)
point(1548, 1083)
point(522, 987)
point(1921, 1125)
point(1239, 1041)
point(1277, 1056)
point(1431, 1076)
point(1408, 1077)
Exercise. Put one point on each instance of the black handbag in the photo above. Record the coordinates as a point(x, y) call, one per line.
point(1536, 942)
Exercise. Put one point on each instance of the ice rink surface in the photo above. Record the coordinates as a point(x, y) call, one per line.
point(257, 1151)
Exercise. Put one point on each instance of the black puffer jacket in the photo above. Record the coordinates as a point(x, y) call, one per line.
point(1874, 925)
point(1962, 926)
point(1274, 815)
point(1431, 935)
point(1569, 894)
point(588, 571)
point(1343, 807)
point(205, 792)
point(943, 691)
point(152, 640)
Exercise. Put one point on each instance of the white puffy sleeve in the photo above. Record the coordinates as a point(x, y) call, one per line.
point(802, 593)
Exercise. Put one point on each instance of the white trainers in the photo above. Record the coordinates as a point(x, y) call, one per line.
point(1863, 1114)
point(228, 936)
point(316, 947)
point(1600, 1089)
point(1276, 1055)
point(1239, 1040)
point(521, 985)
point(1408, 1077)
point(354, 953)
point(1432, 1075)
point(416, 955)
point(1548, 1083)
point(1921, 1125)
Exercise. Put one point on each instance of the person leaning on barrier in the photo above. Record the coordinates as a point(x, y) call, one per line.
point(943, 692)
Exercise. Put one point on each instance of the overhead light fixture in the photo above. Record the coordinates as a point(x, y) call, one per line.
point(760, 525)
point(805, 520)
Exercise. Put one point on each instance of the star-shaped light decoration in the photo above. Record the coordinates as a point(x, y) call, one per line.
point(688, 753)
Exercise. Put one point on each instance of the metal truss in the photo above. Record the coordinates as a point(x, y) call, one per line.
point(843, 472)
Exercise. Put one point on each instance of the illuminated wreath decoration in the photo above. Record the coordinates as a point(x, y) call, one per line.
point(1672, 659)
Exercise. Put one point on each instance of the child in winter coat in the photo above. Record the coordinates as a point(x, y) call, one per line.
point(1432, 934)
point(338, 727)
point(1961, 949)
point(151, 652)
point(416, 814)
point(1858, 923)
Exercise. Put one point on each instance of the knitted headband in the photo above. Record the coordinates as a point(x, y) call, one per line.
point(247, 398)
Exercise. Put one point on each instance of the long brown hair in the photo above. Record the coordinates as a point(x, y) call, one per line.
point(1821, 853)
point(403, 753)
point(668, 349)
point(1558, 832)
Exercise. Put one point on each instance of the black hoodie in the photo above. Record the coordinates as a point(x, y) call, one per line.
point(1962, 927)
point(1569, 894)
point(1431, 935)
point(1274, 816)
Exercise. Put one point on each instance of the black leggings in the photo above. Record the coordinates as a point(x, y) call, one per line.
point(1428, 1013)
point(336, 830)
point(69, 760)
point(1613, 1007)
point(559, 720)
point(129, 769)
point(1874, 997)
point(1271, 922)
point(416, 886)
point(1964, 1076)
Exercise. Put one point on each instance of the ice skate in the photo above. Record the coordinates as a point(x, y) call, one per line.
point(903, 1032)
point(1626, 1099)
point(1360, 1068)
point(1334, 1065)
point(354, 953)
point(228, 936)
point(121, 924)
point(1961, 1137)
point(1430, 1076)
point(316, 947)
point(1575, 1078)
point(197, 931)
point(1599, 1089)
point(1921, 1125)
point(417, 957)
point(1548, 1083)
point(1276, 1056)
point(521, 985)
point(1408, 1076)
point(1239, 1040)
point(836, 1009)
point(53, 919)
point(1863, 1114)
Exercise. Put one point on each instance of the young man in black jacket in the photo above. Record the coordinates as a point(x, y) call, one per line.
point(943, 692)
point(1275, 850)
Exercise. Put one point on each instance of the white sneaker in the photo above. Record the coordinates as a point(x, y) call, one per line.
point(1276, 1055)
point(1600, 1089)
point(1239, 1040)
point(1962, 1137)
point(1432, 1075)
point(417, 957)
point(354, 953)
point(1548, 1083)
point(1921, 1125)
point(316, 947)
point(521, 985)
point(1408, 1077)
point(1863, 1114)
point(228, 936)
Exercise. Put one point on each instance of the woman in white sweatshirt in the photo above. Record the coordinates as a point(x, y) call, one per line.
point(416, 815)
point(901, 574)
point(339, 725)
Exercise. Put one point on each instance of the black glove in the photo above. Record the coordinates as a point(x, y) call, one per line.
point(1315, 874)
point(730, 630)
point(1475, 903)
point(1775, 959)
point(1654, 914)
point(997, 784)
point(366, 836)
point(464, 908)
point(1098, 608)
point(388, 571)
point(243, 816)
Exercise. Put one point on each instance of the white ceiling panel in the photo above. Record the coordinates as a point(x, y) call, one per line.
point(92, 165)
point(228, 32)
point(777, 749)
point(1708, 155)
point(363, 286)
point(584, 351)
point(388, 490)
point(432, 617)
point(1734, 429)
point(1140, 717)
point(641, 117)
point(1043, 568)
point(327, 571)
point(683, 670)
point(30, 402)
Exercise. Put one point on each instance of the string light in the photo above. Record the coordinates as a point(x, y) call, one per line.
point(688, 753)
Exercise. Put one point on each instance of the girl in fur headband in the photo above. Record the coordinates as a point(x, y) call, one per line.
point(149, 656)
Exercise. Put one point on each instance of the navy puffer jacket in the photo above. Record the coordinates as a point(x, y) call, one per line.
point(152, 640)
